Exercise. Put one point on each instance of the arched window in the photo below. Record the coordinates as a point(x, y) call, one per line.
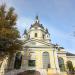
point(46, 60)
point(43, 36)
point(35, 34)
point(61, 64)
point(18, 60)
point(70, 66)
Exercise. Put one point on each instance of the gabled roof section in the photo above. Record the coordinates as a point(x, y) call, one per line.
point(70, 54)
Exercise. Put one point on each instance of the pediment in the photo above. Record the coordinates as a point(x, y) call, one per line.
point(36, 43)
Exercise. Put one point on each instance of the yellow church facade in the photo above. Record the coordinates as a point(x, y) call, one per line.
point(40, 54)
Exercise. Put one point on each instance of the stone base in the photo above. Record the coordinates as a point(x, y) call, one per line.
point(42, 72)
point(52, 72)
point(15, 72)
point(63, 73)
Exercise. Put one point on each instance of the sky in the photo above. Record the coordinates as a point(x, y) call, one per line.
point(56, 15)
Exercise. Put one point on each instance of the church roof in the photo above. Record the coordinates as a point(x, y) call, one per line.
point(37, 23)
point(70, 54)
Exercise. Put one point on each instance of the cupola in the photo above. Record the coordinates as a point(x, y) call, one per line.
point(37, 31)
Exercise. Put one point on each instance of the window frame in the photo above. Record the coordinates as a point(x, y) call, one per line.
point(31, 63)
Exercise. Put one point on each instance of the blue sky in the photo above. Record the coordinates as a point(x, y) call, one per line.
point(57, 15)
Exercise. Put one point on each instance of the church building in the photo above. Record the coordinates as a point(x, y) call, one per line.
point(40, 54)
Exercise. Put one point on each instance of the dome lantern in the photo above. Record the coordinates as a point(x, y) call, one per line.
point(37, 19)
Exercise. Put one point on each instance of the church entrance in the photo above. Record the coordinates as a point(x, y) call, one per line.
point(30, 72)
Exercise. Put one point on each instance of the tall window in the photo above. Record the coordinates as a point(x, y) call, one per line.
point(61, 64)
point(35, 34)
point(46, 60)
point(18, 60)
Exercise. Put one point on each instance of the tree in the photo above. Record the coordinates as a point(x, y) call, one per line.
point(70, 67)
point(9, 34)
